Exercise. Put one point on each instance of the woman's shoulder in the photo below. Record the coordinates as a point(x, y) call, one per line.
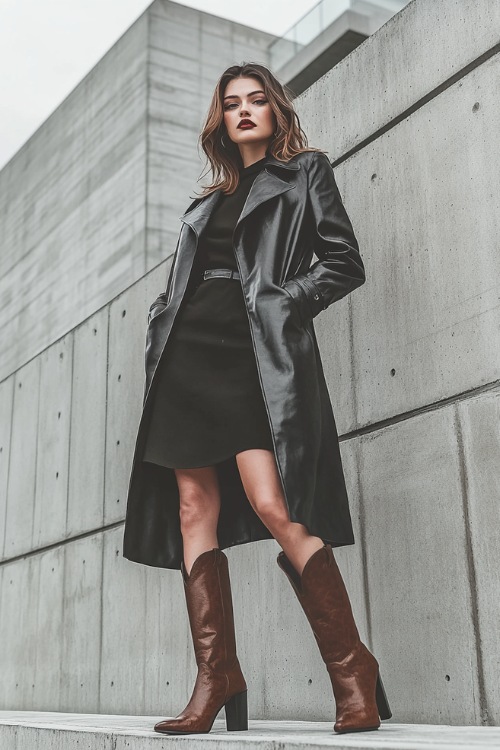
point(302, 160)
point(309, 159)
point(317, 156)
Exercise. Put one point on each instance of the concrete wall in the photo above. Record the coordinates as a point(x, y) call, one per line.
point(415, 356)
point(92, 200)
point(413, 366)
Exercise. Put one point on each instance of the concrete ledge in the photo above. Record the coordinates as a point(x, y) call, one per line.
point(55, 731)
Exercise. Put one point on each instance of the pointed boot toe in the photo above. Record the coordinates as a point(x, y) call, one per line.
point(354, 672)
point(219, 680)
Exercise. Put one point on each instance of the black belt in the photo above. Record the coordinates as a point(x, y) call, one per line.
point(226, 273)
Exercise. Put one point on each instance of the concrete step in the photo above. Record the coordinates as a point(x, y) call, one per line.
point(23, 730)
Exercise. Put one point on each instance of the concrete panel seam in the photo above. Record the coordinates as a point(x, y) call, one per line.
point(352, 359)
point(471, 569)
point(348, 436)
point(2, 550)
point(64, 611)
point(37, 615)
point(70, 429)
point(364, 557)
point(145, 640)
point(36, 451)
point(101, 623)
point(61, 543)
point(433, 406)
point(419, 103)
point(105, 443)
point(147, 145)
point(84, 321)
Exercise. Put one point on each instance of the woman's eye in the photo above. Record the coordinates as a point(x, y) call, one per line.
point(257, 101)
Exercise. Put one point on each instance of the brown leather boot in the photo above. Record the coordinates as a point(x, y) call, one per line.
point(354, 673)
point(219, 681)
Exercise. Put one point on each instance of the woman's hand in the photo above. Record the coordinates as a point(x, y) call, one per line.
point(157, 306)
point(340, 268)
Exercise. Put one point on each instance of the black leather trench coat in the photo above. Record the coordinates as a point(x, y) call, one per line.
point(293, 211)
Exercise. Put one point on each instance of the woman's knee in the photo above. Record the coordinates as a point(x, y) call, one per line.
point(271, 509)
point(199, 500)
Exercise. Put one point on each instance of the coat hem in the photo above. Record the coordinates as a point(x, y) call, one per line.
point(173, 565)
point(211, 462)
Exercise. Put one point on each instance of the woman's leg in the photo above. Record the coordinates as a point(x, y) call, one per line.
point(359, 694)
point(199, 509)
point(262, 484)
point(207, 588)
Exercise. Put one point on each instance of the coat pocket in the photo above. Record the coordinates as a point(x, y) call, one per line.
point(294, 291)
point(306, 297)
point(157, 306)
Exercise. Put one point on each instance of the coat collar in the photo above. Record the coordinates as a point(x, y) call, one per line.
point(293, 164)
point(266, 185)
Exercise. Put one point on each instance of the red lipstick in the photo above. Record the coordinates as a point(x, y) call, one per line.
point(243, 124)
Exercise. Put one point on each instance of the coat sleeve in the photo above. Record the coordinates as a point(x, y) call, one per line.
point(340, 268)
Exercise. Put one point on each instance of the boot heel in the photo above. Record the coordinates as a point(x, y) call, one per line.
point(236, 711)
point(381, 698)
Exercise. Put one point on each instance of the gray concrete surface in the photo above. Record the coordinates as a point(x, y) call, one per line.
point(69, 731)
point(72, 203)
point(92, 199)
point(335, 42)
point(426, 328)
point(412, 365)
point(417, 566)
point(413, 57)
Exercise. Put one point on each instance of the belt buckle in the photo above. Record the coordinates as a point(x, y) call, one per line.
point(219, 272)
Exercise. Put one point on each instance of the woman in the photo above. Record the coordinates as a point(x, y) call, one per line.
point(237, 440)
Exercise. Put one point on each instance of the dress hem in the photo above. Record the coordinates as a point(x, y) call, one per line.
point(212, 462)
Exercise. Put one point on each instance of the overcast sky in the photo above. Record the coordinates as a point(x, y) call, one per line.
point(48, 46)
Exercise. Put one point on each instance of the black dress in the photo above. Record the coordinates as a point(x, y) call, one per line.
point(208, 405)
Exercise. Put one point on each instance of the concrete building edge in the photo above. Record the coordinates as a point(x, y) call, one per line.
point(362, 144)
point(419, 104)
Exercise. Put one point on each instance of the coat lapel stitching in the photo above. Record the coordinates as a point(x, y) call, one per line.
point(266, 185)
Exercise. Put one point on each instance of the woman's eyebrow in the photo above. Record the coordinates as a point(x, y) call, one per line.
point(234, 96)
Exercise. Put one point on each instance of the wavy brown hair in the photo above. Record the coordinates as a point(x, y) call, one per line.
point(225, 161)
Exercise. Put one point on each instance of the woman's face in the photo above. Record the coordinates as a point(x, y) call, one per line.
point(244, 99)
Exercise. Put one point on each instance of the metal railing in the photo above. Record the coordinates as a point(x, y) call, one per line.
point(316, 20)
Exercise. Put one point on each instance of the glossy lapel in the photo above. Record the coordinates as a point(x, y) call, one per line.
point(199, 215)
point(266, 185)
